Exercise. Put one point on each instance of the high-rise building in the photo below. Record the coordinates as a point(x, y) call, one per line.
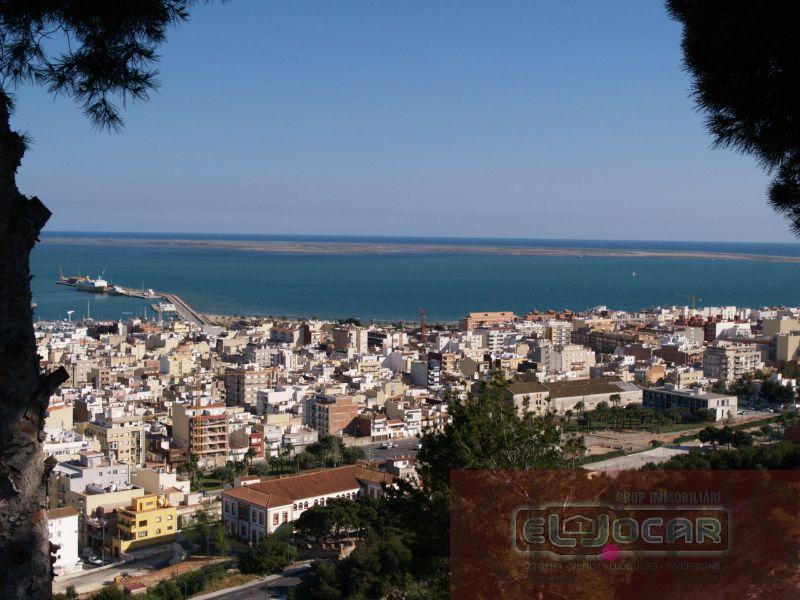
point(242, 384)
point(202, 428)
point(559, 332)
point(728, 361)
point(121, 435)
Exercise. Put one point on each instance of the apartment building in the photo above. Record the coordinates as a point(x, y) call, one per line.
point(254, 509)
point(728, 361)
point(572, 358)
point(91, 468)
point(62, 532)
point(559, 332)
point(350, 338)
point(474, 320)
point(201, 427)
point(242, 384)
point(787, 346)
point(149, 520)
point(121, 435)
point(333, 415)
point(778, 326)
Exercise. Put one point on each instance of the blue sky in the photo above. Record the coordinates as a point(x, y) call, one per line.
point(497, 119)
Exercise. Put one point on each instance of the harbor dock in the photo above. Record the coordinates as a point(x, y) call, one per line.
point(182, 308)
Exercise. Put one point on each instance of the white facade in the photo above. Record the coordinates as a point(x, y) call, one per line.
point(62, 531)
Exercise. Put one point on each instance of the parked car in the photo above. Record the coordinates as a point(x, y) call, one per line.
point(386, 445)
point(417, 446)
point(95, 560)
point(740, 412)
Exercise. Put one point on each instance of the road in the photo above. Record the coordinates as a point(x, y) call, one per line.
point(405, 447)
point(183, 309)
point(275, 587)
point(94, 579)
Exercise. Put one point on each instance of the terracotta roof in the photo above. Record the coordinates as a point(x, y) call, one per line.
point(61, 513)
point(252, 495)
point(280, 492)
point(372, 476)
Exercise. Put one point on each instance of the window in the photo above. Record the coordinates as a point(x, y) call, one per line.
point(142, 523)
point(261, 518)
point(275, 519)
point(285, 517)
point(169, 527)
point(158, 519)
point(169, 517)
point(158, 532)
point(142, 534)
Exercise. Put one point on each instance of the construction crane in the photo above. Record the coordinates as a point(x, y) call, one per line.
point(691, 297)
point(423, 329)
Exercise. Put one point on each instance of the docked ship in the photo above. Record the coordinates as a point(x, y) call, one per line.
point(84, 283)
point(97, 286)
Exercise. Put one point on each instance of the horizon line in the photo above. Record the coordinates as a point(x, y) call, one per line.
point(400, 237)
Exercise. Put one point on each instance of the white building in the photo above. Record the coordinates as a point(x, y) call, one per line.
point(254, 508)
point(728, 361)
point(671, 396)
point(62, 531)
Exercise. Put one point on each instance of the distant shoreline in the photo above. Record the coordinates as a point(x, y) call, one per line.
point(407, 248)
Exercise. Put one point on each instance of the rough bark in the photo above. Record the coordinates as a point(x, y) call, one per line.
point(25, 563)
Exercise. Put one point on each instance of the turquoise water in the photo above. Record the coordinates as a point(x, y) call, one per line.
point(391, 287)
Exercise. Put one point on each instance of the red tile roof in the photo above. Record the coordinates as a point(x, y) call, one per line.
point(287, 490)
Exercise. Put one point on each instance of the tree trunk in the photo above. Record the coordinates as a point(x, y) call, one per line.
point(25, 570)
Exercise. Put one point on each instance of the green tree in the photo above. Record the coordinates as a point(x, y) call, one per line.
point(109, 592)
point(406, 546)
point(783, 455)
point(101, 54)
point(69, 594)
point(321, 584)
point(743, 59)
point(271, 555)
point(316, 524)
point(352, 454)
point(191, 469)
point(773, 392)
point(208, 532)
point(248, 459)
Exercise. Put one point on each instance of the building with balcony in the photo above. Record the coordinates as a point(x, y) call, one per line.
point(728, 361)
point(148, 521)
point(202, 428)
point(121, 436)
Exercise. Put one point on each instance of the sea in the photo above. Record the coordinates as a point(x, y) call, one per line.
point(393, 287)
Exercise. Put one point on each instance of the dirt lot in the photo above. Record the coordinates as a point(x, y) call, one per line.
point(152, 578)
point(602, 442)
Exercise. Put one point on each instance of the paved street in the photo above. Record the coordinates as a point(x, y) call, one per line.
point(274, 587)
point(94, 579)
point(405, 447)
